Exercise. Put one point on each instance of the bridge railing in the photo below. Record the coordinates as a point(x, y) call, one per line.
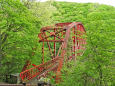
point(37, 70)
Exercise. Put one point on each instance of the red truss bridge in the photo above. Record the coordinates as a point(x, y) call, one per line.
point(65, 42)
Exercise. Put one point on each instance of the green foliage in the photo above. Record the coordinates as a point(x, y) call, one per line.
point(20, 23)
point(43, 11)
point(18, 32)
point(96, 66)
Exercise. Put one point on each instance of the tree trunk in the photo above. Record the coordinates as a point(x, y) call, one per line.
point(100, 75)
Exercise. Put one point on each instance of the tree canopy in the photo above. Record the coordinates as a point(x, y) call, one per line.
point(20, 23)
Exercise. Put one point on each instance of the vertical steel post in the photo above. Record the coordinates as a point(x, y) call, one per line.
point(43, 52)
point(74, 42)
point(54, 43)
point(75, 33)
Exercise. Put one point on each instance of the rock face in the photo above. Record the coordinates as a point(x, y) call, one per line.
point(15, 78)
point(41, 82)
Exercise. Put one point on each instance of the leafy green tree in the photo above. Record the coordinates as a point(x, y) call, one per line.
point(96, 66)
point(18, 35)
point(42, 10)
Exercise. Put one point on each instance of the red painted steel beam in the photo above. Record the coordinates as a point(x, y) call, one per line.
point(49, 46)
point(54, 43)
point(49, 28)
point(62, 32)
point(51, 40)
point(40, 35)
point(64, 45)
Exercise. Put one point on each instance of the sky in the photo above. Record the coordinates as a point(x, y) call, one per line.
point(107, 2)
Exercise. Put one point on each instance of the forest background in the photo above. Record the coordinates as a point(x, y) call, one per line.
point(20, 23)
